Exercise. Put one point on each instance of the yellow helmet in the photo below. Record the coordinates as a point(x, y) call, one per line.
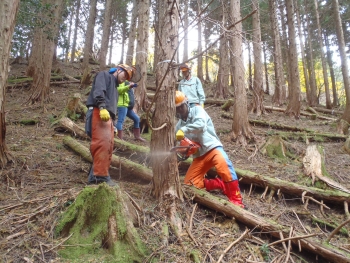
point(180, 98)
point(128, 69)
point(184, 67)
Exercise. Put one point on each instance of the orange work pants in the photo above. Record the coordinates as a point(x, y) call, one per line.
point(217, 158)
point(102, 141)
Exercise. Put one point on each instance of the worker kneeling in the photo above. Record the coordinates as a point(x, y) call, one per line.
point(197, 126)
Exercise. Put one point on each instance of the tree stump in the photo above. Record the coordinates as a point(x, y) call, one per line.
point(274, 148)
point(98, 222)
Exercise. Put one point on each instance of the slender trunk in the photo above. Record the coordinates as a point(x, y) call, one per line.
point(89, 39)
point(200, 58)
point(343, 58)
point(132, 35)
point(250, 73)
point(267, 91)
point(185, 19)
point(8, 12)
point(76, 25)
point(323, 59)
point(294, 105)
point(105, 35)
point(69, 36)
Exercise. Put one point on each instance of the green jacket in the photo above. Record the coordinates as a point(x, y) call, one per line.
point(123, 99)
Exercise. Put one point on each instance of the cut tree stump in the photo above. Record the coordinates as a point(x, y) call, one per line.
point(99, 220)
point(227, 105)
point(333, 254)
point(314, 166)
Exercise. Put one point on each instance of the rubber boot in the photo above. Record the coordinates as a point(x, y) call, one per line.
point(233, 193)
point(120, 134)
point(214, 184)
point(137, 135)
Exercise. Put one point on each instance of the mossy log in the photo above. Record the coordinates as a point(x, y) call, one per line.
point(314, 166)
point(66, 124)
point(74, 110)
point(227, 105)
point(247, 177)
point(276, 125)
point(343, 230)
point(312, 116)
point(99, 221)
point(128, 167)
point(313, 245)
point(28, 80)
point(328, 111)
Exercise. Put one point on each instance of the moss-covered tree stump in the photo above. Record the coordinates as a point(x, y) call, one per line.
point(98, 224)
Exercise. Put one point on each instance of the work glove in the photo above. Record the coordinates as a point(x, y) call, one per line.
point(180, 135)
point(104, 115)
point(202, 105)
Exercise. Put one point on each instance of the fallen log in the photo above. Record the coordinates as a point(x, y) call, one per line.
point(328, 111)
point(313, 245)
point(128, 167)
point(247, 177)
point(276, 125)
point(67, 124)
point(312, 116)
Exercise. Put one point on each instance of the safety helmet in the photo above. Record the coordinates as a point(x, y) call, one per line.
point(128, 69)
point(184, 67)
point(180, 98)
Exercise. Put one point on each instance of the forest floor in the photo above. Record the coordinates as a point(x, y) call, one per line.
point(46, 177)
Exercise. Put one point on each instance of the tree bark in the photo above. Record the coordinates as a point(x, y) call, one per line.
point(294, 104)
point(89, 36)
point(258, 91)
point(344, 62)
point(185, 25)
point(277, 97)
point(76, 25)
point(42, 53)
point(8, 12)
point(106, 33)
point(132, 34)
point(241, 130)
point(142, 53)
point(200, 58)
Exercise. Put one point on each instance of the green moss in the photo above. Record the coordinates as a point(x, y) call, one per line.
point(86, 220)
point(194, 256)
point(276, 152)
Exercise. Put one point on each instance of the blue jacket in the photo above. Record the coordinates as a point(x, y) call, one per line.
point(193, 90)
point(199, 128)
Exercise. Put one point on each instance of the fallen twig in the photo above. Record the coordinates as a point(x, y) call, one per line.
point(232, 244)
point(336, 230)
point(291, 238)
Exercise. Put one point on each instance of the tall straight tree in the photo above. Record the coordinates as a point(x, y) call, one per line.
point(166, 180)
point(241, 130)
point(310, 54)
point(344, 67)
point(221, 89)
point(76, 25)
point(132, 34)
point(142, 52)
point(200, 58)
point(45, 35)
point(258, 91)
point(277, 97)
point(294, 104)
point(185, 20)
point(310, 98)
point(323, 58)
point(89, 36)
point(105, 34)
point(8, 12)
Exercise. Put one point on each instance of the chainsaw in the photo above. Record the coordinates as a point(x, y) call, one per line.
point(185, 149)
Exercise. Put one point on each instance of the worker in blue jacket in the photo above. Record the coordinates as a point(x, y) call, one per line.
point(196, 125)
point(191, 86)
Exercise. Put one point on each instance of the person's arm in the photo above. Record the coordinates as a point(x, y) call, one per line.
point(200, 92)
point(99, 90)
point(122, 88)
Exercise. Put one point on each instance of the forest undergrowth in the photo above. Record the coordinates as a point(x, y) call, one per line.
point(46, 177)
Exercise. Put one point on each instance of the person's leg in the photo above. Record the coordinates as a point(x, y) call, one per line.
point(132, 115)
point(196, 172)
point(226, 171)
point(101, 148)
point(121, 118)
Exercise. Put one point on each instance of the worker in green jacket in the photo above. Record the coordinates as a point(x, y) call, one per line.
point(126, 102)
